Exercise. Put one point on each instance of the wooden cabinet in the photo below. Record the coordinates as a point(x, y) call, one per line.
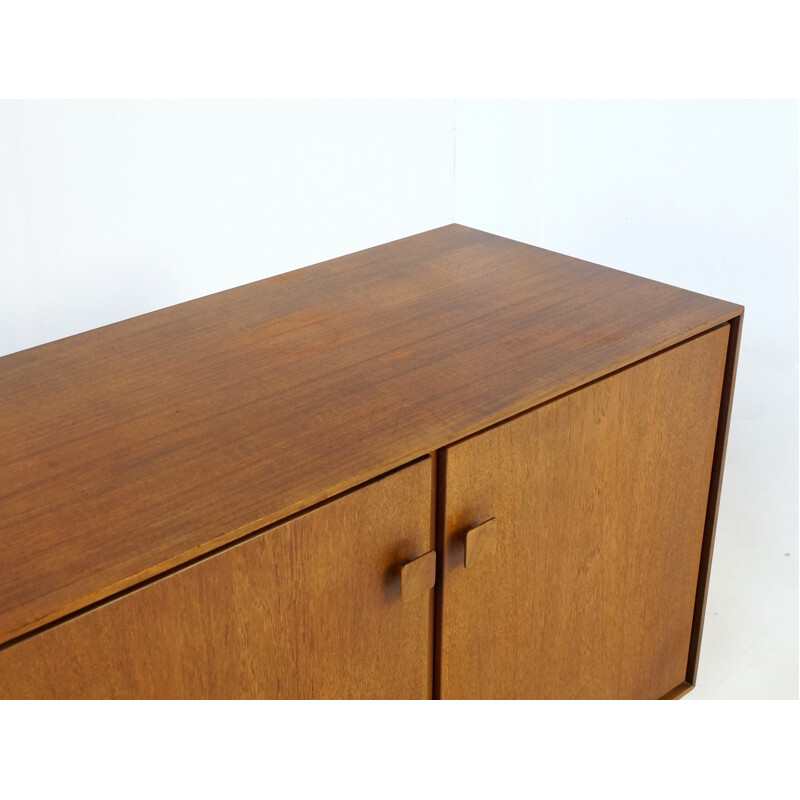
point(451, 466)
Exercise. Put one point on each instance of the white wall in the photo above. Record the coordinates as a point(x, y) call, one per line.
point(703, 195)
point(112, 209)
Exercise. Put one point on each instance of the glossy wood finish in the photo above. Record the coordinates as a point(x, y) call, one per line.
point(140, 446)
point(600, 499)
point(307, 609)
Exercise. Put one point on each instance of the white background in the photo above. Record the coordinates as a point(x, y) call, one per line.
point(112, 209)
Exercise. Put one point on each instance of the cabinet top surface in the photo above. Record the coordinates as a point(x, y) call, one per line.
point(133, 448)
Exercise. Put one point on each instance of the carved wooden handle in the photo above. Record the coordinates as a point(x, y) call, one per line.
point(418, 576)
point(481, 542)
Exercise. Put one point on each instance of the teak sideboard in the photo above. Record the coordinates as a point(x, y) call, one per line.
point(452, 466)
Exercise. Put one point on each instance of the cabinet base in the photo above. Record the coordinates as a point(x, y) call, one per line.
point(679, 691)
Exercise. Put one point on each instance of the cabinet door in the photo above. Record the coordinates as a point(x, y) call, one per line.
point(312, 608)
point(584, 584)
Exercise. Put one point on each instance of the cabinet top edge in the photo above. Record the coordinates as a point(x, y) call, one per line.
point(735, 309)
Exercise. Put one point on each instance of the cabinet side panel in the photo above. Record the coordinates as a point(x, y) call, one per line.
point(307, 609)
point(726, 406)
point(600, 499)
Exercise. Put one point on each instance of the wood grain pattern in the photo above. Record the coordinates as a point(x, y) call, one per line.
point(600, 499)
point(307, 609)
point(137, 447)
